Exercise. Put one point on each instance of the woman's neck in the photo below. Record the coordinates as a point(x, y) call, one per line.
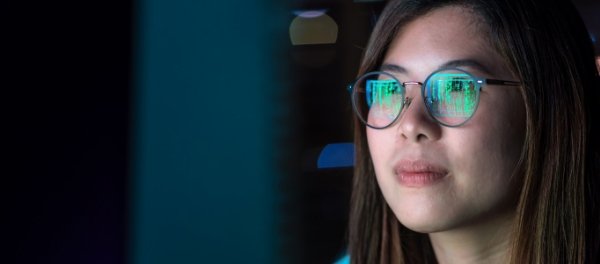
point(487, 242)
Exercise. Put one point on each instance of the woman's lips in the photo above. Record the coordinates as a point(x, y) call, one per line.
point(418, 173)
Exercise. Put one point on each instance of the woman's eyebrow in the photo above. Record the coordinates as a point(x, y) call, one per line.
point(393, 68)
point(450, 64)
point(466, 63)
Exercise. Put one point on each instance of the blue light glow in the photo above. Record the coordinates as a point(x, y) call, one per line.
point(336, 155)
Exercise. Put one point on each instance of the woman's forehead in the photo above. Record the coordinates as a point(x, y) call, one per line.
point(442, 35)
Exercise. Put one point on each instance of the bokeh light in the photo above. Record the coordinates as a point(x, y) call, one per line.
point(313, 27)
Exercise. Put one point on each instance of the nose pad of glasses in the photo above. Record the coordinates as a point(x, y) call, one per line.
point(407, 102)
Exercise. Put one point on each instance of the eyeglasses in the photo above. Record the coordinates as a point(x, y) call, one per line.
point(451, 96)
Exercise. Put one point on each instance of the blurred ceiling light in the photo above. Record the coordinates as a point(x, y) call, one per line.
point(313, 27)
point(310, 13)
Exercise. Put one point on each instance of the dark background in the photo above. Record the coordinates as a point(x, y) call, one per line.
point(66, 85)
point(68, 97)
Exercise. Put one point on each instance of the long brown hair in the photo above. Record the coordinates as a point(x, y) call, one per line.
point(547, 46)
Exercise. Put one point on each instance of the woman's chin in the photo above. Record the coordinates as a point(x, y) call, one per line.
point(423, 227)
point(426, 221)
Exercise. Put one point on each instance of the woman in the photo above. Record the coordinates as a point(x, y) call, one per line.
point(474, 136)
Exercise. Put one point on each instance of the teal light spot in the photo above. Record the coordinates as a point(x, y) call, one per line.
point(344, 260)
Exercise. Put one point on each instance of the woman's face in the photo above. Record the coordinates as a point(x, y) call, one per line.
point(438, 178)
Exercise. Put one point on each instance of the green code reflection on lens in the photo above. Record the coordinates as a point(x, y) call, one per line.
point(384, 96)
point(454, 95)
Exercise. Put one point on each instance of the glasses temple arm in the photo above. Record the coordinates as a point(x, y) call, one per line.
point(501, 82)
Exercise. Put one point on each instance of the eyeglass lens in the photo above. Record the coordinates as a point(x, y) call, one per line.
point(378, 99)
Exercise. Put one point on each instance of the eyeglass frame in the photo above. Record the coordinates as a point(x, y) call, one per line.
point(479, 82)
